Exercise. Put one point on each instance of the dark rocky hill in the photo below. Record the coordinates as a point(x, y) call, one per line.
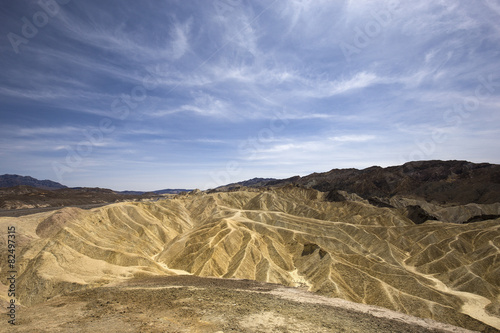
point(442, 182)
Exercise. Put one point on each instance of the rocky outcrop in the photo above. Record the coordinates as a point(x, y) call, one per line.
point(440, 182)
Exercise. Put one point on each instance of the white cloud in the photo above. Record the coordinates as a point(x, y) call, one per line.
point(51, 131)
point(435, 18)
point(203, 104)
point(322, 89)
point(300, 149)
point(180, 38)
point(353, 138)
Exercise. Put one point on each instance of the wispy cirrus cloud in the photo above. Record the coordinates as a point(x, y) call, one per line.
point(322, 89)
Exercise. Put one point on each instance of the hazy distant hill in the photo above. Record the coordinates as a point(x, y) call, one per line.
point(24, 196)
point(42, 195)
point(171, 191)
point(459, 182)
point(165, 191)
point(15, 180)
point(254, 182)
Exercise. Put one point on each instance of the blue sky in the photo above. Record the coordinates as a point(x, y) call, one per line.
point(147, 95)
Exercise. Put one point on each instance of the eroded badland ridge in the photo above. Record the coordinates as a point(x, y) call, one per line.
point(337, 244)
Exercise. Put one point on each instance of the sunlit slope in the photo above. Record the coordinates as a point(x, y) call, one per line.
point(350, 250)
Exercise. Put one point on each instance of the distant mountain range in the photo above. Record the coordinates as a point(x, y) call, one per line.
point(18, 192)
point(459, 182)
point(16, 180)
point(440, 182)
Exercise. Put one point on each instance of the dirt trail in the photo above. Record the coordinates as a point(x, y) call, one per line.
point(379, 312)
